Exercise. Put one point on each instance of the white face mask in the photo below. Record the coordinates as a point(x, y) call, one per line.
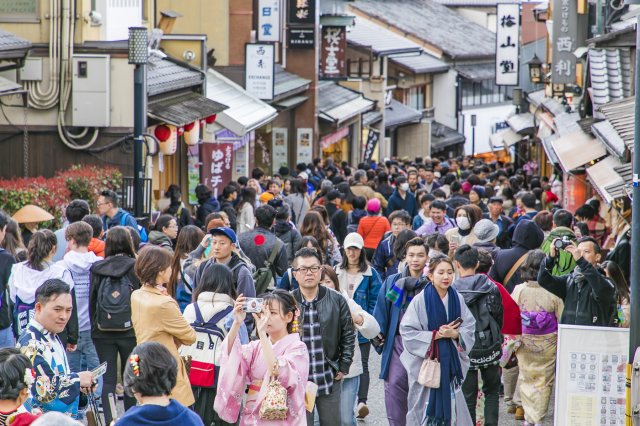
point(404, 186)
point(463, 223)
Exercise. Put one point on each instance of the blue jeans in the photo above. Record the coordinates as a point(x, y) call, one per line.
point(348, 401)
point(6, 338)
point(85, 357)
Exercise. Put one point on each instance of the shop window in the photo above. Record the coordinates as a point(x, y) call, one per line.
point(483, 92)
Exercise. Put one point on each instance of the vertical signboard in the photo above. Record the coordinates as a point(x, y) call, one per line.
point(334, 46)
point(302, 11)
point(269, 20)
point(279, 147)
point(564, 42)
point(216, 167)
point(372, 141)
point(304, 144)
point(259, 70)
point(507, 44)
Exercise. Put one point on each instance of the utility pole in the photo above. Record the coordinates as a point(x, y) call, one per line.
point(139, 56)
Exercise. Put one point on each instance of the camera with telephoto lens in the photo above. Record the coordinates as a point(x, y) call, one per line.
point(562, 243)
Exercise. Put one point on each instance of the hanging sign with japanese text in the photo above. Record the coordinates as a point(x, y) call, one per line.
point(372, 141)
point(279, 147)
point(304, 145)
point(302, 11)
point(334, 47)
point(507, 44)
point(259, 70)
point(269, 20)
point(564, 42)
point(301, 38)
point(216, 168)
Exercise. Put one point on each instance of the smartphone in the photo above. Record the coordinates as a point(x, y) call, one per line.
point(253, 305)
point(377, 342)
point(457, 321)
point(455, 239)
point(99, 371)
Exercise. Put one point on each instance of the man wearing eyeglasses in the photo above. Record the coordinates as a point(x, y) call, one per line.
point(327, 330)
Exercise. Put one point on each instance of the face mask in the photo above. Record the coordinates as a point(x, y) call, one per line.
point(404, 186)
point(463, 223)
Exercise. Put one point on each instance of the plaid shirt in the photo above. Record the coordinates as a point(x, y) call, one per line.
point(320, 371)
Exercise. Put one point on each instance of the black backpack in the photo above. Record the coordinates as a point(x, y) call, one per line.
point(487, 348)
point(113, 304)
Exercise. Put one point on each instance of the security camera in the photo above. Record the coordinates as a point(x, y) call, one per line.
point(96, 18)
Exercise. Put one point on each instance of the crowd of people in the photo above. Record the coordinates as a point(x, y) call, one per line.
point(264, 304)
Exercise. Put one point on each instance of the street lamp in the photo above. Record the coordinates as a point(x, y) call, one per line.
point(473, 136)
point(139, 56)
point(535, 69)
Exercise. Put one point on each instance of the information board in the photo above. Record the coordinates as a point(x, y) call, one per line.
point(590, 376)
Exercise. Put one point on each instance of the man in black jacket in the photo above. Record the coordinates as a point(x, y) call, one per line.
point(6, 263)
point(337, 216)
point(589, 297)
point(327, 330)
point(483, 298)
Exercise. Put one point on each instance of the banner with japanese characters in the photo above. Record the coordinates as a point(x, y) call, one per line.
point(334, 47)
point(279, 147)
point(302, 11)
point(259, 70)
point(372, 141)
point(216, 168)
point(304, 145)
point(269, 20)
point(507, 44)
point(564, 42)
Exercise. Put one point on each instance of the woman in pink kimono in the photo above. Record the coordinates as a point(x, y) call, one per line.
point(251, 365)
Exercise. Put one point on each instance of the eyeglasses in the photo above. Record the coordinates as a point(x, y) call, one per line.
point(305, 270)
point(102, 204)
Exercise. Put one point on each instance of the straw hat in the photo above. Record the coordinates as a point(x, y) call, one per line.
point(32, 214)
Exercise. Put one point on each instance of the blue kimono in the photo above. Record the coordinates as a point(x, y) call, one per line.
point(56, 388)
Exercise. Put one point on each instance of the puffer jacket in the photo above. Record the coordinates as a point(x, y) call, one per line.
point(160, 239)
point(336, 326)
point(589, 297)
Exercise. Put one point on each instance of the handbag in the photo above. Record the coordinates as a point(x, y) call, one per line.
point(429, 375)
point(274, 404)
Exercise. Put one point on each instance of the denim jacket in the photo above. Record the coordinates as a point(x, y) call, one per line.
point(366, 290)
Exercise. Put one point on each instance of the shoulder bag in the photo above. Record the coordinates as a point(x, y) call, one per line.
point(429, 375)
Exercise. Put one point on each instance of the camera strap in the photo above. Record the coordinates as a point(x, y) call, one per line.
point(514, 268)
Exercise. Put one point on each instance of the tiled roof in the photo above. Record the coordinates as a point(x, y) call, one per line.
point(337, 104)
point(610, 71)
point(12, 46)
point(434, 24)
point(165, 75)
point(287, 84)
point(421, 64)
point(381, 40)
point(477, 72)
point(397, 114)
point(183, 108)
point(621, 116)
point(443, 137)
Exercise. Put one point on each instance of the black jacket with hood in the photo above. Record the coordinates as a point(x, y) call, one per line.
point(526, 237)
point(483, 299)
point(589, 297)
point(115, 267)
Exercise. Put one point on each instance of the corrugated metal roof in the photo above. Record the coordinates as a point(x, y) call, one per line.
point(379, 39)
point(337, 103)
point(165, 75)
point(606, 134)
point(477, 72)
point(397, 114)
point(603, 175)
point(288, 84)
point(371, 117)
point(548, 149)
point(621, 116)
point(521, 123)
point(245, 112)
point(610, 71)
point(538, 98)
point(576, 149)
point(421, 64)
point(12, 46)
point(443, 137)
point(183, 109)
point(434, 24)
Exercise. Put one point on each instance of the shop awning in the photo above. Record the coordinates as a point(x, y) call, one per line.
point(338, 104)
point(506, 138)
point(477, 72)
point(397, 114)
point(10, 88)
point(183, 109)
point(380, 40)
point(245, 112)
point(618, 190)
point(371, 117)
point(521, 123)
point(576, 149)
point(606, 134)
point(602, 175)
point(291, 102)
point(167, 75)
point(548, 149)
point(443, 137)
point(421, 64)
point(287, 84)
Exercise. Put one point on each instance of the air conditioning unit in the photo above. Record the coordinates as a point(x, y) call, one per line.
point(117, 17)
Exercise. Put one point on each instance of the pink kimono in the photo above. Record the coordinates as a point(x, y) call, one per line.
point(245, 366)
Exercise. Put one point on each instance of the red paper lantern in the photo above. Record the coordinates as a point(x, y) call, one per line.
point(189, 127)
point(162, 133)
point(211, 119)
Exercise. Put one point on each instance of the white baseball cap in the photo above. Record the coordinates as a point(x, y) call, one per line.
point(353, 240)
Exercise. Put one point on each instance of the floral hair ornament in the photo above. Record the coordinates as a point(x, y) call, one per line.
point(134, 359)
point(29, 376)
point(295, 324)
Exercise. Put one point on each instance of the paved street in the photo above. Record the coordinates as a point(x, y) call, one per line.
point(378, 412)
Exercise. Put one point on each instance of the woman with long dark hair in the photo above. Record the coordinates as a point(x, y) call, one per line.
point(466, 218)
point(299, 201)
point(623, 294)
point(116, 268)
point(179, 285)
point(314, 226)
point(333, 251)
point(12, 241)
point(215, 296)
point(245, 209)
point(27, 276)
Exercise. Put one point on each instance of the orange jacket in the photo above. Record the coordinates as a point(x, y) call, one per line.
point(97, 246)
